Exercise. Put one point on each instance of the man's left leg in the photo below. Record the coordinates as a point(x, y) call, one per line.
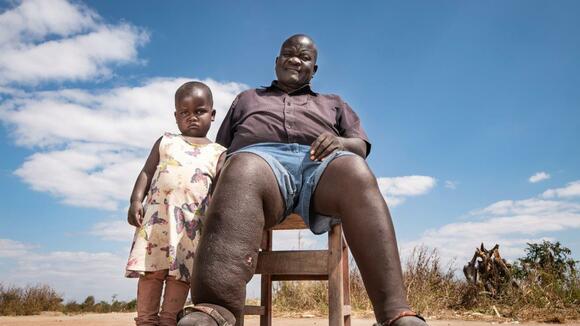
point(348, 189)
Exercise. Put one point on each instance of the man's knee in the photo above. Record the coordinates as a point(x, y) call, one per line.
point(353, 171)
point(244, 168)
point(247, 178)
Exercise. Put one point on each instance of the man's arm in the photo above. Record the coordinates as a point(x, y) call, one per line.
point(355, 145)
point(225, 133)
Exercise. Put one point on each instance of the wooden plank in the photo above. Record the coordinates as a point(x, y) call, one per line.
point(292, 222)
point(266, 286)
point(266, 235)
point(335, 293)
point(254, 310)
point(346, 284)
point(346, 311)
point(305, 262)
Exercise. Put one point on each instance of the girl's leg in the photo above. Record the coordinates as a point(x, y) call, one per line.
point(148, 297)
point(173, 300)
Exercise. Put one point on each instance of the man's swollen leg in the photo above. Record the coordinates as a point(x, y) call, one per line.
point(246, 199)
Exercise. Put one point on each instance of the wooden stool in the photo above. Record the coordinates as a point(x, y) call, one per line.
point(331, 265)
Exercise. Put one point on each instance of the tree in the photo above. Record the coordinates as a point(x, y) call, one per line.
point(546, 259)
point(88, 304)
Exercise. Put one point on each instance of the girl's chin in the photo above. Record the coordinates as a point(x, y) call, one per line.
point(189, 134)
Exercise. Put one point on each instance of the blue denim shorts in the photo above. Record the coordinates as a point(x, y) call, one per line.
point(297, 177)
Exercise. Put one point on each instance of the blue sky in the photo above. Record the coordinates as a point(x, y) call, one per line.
point(472, 107)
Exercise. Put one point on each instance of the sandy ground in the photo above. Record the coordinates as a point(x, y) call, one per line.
point(126, 319)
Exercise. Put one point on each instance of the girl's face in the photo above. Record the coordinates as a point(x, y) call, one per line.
point(194, 114)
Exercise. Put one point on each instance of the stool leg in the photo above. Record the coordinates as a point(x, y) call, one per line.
point(266, 285)
point(346, 282)
point(335, 294)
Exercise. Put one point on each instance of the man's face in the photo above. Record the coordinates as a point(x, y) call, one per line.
point(296, 63)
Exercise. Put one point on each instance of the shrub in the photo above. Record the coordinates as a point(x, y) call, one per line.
point(29, 300)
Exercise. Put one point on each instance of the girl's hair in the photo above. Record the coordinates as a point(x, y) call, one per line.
point(187, 89)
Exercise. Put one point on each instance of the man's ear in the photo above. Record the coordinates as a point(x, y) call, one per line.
point(276, 61)
point(315, 70)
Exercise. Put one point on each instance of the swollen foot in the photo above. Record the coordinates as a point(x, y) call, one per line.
point(409, 321)
point(206, 314)
point(405, 318)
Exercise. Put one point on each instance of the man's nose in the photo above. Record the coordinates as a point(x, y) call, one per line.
point(294, 60)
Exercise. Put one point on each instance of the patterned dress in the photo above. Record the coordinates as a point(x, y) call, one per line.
point(174, 208)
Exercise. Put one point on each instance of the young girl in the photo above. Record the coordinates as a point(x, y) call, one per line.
point(176, 178)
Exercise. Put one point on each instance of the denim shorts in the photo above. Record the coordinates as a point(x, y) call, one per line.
point(297, 177)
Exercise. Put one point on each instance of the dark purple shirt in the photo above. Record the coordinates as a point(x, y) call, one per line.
point(270, 115)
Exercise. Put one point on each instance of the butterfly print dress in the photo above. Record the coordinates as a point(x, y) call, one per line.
point(174, 208)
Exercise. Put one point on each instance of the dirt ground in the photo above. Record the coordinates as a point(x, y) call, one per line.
point(126, 319)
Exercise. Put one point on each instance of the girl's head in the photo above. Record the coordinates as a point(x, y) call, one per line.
point(194, 109)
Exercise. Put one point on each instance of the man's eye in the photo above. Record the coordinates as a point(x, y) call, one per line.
point(305, 58)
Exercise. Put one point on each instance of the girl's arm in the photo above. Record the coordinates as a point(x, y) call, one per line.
point(135, 214)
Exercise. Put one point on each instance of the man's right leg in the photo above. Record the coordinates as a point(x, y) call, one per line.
point(246, 199)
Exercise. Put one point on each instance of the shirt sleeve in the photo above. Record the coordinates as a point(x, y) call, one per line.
point(225, 134)
point(349, 125)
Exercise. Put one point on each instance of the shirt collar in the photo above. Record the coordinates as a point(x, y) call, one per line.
point(306, 89)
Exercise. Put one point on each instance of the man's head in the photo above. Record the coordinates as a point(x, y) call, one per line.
point(296, 63)
point(194, 109)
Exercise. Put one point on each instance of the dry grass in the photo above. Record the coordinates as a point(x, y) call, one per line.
point(311, 297)
point(435, 290)
point(28, 301)
point(31, 300)
point(432, 289)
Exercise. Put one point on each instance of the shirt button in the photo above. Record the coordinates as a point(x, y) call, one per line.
point(289, 103)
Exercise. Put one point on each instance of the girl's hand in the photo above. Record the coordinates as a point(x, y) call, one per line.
point(135, 215)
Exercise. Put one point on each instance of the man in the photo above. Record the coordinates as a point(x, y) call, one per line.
point(293, 150)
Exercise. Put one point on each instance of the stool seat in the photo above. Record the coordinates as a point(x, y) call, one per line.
point(299, 265)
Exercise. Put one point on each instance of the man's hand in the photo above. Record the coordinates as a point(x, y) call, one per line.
point(135, 215)
point(325, 145)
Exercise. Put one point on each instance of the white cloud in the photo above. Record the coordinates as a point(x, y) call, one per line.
point(56, 40)
point(539, 176)
point(396, 189)
point(125, 116)
point(11, 248)
point(298, 239)
point(572, 189)
point(509, 223)
point(114, 230)
point(75, 274)
point(92, 144)
point(34, 19)
point(451, 184)
point(88, 175)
